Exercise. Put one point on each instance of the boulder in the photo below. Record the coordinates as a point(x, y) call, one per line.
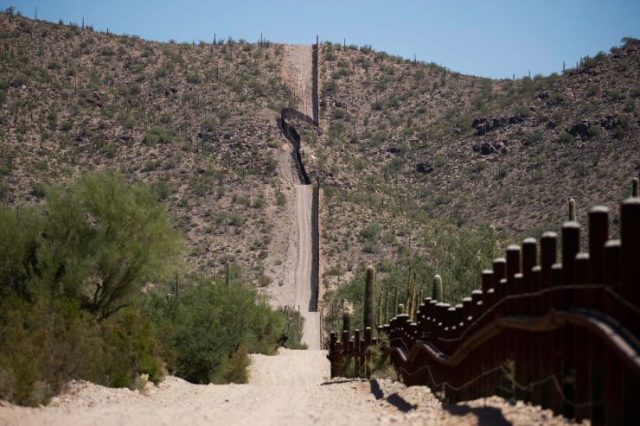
point(517, 119)
point(581, 129)
point(485, 125)
point(488, 148)
point(394, 150)
point(424, 168)
point(609, 122)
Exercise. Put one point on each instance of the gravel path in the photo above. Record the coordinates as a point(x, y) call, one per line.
point(297, 74)
point(294, 286)
point(288, 389)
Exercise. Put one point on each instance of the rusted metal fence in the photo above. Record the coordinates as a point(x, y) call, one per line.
point(557, 326)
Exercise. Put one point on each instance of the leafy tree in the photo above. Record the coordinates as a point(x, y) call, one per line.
point(20, 236)
point(98, 241)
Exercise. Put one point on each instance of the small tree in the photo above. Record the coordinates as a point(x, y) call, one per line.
point(103, 240)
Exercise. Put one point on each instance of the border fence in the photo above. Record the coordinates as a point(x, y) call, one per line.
point(552, 324)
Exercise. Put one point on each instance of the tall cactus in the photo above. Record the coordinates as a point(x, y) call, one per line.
point(368, 297)
point(386, 305)
point(395, 300)
point(409, 294)
point(346, 321)
point(634, 187)
point(414, 299)
point(437, 293)
point(379, 315)
point(572, 210)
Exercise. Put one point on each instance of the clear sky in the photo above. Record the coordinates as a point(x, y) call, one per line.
point(480, 37)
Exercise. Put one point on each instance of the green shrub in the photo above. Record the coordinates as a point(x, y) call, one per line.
point(594, 131)
point(535, 137)
point(213, 326)
point(157, 135)
point(457, 254)
point(194, 78)
point(370, 232)
point(105, 240)
point(565, 137)
point(49, 341)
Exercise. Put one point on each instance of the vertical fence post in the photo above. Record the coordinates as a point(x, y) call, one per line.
point(582, 354)
point(565, 336)
point(598, 236)
point(513, 338)
point(366, 351)
point(612, 373)
point(529, 261)
point(547, 259)
point(480, 388)
point(538, 339)
point(356, 352)
point(630, 277)
point(468, 370)
point(333, 356)
point(498, 349)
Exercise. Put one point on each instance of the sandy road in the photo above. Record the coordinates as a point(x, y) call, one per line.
point(283, 389)
point(303, 281)
point(295, 288)
point(287, 389)
point(296, 72)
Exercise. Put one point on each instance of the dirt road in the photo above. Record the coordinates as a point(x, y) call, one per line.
point(287, 389)
point(293, 284)
point(296, 72)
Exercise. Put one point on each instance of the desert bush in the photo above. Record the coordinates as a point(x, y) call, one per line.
point(51, 340)
point(457, 254)
point(70, 274)
point(157, 135)
point(534, 137)
point(105, 239)
point(565, 137)
point(73, 306)
point(213, 326)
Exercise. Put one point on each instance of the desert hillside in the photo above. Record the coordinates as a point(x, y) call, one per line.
point(410, 146)
point(198, 121)
point(408, 143)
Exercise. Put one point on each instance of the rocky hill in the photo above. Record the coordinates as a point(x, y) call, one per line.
point(405, 150)
point(405, 143)
point(197, 121)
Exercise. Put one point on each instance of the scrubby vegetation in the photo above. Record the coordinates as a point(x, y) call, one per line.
point(92, 287)
point(406, 142)
point(198, 120)
point(456, 254)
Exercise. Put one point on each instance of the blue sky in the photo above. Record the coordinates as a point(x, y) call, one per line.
point(487, 38)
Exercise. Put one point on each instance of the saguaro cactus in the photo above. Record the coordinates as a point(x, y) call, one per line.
point(437, 293)
point(572, 210)
point(346, 322)
point(400, 310)
point(368, 297)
